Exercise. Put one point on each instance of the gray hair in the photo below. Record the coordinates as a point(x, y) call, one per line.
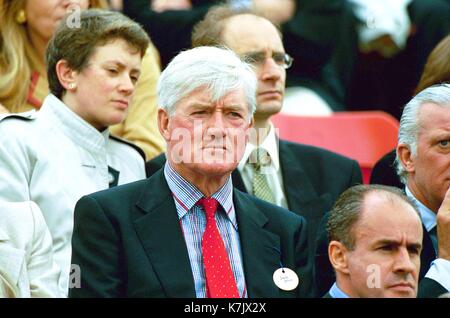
point(409, 123)
point(219, 70)
point(347, 210)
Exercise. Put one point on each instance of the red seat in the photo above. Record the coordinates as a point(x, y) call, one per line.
point(365, 136)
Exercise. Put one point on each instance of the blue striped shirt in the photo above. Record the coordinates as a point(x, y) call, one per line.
point(193, 223)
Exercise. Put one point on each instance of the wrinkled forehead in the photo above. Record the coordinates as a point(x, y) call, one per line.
point(386, 215)
point(208, 96)
point(432, 115)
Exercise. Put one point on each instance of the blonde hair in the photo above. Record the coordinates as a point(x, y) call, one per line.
point(18, 58)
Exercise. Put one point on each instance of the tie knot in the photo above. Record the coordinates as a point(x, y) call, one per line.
point(260, 157)
point(209, 205)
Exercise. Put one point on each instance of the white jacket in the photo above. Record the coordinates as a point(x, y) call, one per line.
point(27, 268)
point(53, 157)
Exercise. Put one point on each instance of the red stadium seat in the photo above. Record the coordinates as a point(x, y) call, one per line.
point(365, 136)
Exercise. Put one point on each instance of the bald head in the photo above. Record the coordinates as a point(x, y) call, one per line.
point(375, 243)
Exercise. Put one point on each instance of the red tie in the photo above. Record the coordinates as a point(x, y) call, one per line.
point(220, 282)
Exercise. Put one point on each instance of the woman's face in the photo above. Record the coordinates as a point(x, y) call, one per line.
point(43, 16)
point(105, 87)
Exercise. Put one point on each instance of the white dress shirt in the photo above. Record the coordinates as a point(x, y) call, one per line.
point(272, 171)
point(53, 157)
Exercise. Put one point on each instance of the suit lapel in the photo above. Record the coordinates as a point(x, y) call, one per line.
point(260, 248)
point(300, 193)
point(160, 233)
point(238, 183)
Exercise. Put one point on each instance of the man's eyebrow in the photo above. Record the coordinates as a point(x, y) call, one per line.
point(396, 243)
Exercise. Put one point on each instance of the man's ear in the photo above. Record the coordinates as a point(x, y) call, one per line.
point(337, 253)
point(405, 157)
point(163, 124)
point(66, 75)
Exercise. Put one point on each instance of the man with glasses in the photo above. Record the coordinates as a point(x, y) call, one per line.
point(303, 179)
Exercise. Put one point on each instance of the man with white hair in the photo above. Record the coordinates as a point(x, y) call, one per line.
point(423, 165)
point(185, 231)
point(301, 178)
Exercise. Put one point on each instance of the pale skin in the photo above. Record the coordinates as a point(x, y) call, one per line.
point(212, 128)
point(164, 5)
point(387, 238)
point(43, 17)
point(246, 34)
point(277, 11)
point(3, 109)
point(429, 170)
point(101, 92)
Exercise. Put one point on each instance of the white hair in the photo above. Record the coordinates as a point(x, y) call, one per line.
point(219, 70)
point(409, 123)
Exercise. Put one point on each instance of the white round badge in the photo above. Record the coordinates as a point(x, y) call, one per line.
point(285, 279)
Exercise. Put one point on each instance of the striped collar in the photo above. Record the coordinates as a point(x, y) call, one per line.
point(187, 195)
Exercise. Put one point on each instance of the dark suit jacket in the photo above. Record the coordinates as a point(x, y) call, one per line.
point(325, 276)
point(384, 171)
point(128, 242)
point(313, 179)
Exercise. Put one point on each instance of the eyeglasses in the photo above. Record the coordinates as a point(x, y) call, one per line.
point(259, 58)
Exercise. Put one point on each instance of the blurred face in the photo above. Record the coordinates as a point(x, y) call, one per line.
point(206, 138)
point(385, 261)
point(43, 16)
point(250, 35)
point(429, 170)
point(105, 87)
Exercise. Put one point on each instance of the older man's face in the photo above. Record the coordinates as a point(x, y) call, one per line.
point(204, 137)
point(429, 169)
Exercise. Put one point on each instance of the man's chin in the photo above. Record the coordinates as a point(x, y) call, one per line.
point(216, 169)
point(268, 108)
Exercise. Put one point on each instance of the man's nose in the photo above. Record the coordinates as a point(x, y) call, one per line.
point(404, 262)
point(270, 70)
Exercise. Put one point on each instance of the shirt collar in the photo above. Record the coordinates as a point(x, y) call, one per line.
point(428, 217)
point(188, 194)
point(270, 144)
point(336, 292)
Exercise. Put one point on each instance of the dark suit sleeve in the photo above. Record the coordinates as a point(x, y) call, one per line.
point(303, 264)
point(429, 288)
point(95, 249)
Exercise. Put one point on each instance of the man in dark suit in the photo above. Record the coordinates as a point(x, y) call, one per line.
point(423, 167)
point(375, 237)
point(185, 232)
point(304, 179)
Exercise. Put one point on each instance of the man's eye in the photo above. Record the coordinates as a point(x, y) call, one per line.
point(255, 58)
point(386, 248)
point(112, 71)
point(235, 114)
point(278, 58)
point(444, 143)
